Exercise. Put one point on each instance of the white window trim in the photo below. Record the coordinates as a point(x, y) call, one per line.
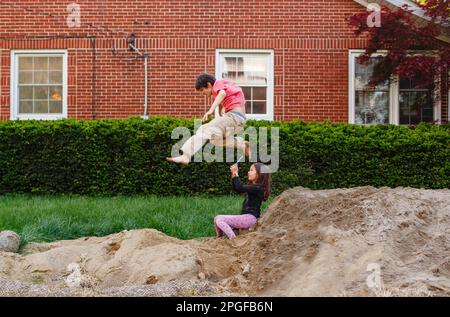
point(448, 98)
point(393, 92)
point(437, 101)
point(270, 78)
point(14, 105)
point(351, 85)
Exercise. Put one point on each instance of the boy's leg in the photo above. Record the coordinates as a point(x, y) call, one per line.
point(233, 142)
point(228, 139)
point(194, 143)
point(206, 132)
point(227, 223)
point(216, 131)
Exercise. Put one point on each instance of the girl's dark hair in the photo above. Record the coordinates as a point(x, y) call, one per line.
point(203, 80)
point(264, 178)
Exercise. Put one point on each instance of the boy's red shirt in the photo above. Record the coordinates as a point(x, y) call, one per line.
point(234, 94)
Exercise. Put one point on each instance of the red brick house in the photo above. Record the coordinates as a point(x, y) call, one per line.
point(295, 60)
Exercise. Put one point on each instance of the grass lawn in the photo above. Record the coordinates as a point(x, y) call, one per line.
point(50, 218)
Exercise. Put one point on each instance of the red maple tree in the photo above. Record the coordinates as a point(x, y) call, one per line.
point(413, 52)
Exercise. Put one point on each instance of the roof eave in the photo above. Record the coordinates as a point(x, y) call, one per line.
point(420, 15)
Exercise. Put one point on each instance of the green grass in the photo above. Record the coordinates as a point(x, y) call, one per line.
point(50, 218)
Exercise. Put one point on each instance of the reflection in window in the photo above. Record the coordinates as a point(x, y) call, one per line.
point(249, 72)
point(256, 99)
point(246, 69)
point(371, 103)
point(416, 103)
point(40, 84)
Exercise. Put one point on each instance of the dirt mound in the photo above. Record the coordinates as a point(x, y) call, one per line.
point(360, 241)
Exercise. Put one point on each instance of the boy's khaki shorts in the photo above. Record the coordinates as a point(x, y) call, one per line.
point(220, 131)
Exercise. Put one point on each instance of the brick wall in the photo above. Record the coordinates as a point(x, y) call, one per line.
point(310, 40)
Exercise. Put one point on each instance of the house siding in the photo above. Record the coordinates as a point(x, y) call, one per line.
point(310, 40)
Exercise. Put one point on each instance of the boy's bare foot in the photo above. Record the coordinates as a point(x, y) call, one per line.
point(182, 159)
point(246, 148)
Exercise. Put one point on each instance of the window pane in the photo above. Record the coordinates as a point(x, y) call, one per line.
point(248, 107)
point(411, 84)
point(25, 63)
point(26, 106)
point(415, 107)
point(26, 77)
point(230, 64)
point(40, 84)
point(247, 92)
point(41, 63)
point(26, 93)
point(371, 107)
point(41, 77)
point(427, 115)
point(251, 72)
point(55, 77)
point(41, 92)
point(55, 63)
point(245, 69)
point(363, 74)
point(415, 119)
point(55, 106)
point(231, 76)
point(404, 108)
point(240, 74)
point(362, 81)
point(41, 106)
point(240, 64)
point(259, 107)
point(255, 63)
point(405, 83)
point(363, 68)
point(55, 93)
point(255, 70)
point(229, 68)
point(259, 93)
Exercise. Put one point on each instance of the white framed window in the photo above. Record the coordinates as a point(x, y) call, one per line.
point(38, 84)
point(415, 103)
point(397, 101)
point(252, 70)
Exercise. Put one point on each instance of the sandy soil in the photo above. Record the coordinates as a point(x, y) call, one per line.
point(361, 241)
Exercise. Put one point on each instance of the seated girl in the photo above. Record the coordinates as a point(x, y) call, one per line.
point(256, 191)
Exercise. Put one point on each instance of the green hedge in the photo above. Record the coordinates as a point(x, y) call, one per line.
point(109, 157)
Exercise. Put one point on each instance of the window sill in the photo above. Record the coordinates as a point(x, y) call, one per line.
point(39, 117)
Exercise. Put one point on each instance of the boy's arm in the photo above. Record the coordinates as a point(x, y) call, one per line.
point(220, 97)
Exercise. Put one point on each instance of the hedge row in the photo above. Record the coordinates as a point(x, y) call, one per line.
point(110, 157)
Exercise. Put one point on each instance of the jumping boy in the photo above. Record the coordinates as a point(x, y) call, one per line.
point(220, 130)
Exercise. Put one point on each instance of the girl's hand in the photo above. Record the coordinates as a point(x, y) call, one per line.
point(234, 169)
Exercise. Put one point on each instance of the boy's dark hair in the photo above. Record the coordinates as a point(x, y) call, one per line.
point(264, 178)
point(203, 80)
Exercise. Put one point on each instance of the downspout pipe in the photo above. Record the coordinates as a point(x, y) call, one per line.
point(145, 57)
point(145, 116)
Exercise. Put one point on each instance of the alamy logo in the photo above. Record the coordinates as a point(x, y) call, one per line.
point(74, 17)
point(264, 144)
point(374, 278)
point(374, 18)
point(75, 277)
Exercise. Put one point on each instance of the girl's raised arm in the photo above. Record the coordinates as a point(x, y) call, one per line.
point(237, 186)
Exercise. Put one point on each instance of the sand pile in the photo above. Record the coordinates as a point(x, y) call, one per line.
point(314, 243)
